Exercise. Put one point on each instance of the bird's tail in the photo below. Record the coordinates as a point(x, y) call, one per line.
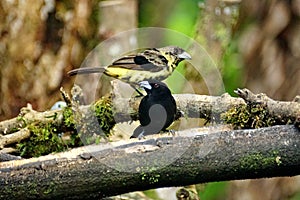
point(86, 70)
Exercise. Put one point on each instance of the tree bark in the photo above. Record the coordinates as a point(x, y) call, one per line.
point(193, 156)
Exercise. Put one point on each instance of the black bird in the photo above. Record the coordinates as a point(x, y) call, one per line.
point(157, 109)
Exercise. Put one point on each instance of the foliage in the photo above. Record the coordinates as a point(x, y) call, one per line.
point(104, 112)
point(68, 117)
point(44, 139)
point(48, 138)
point(80, 129)
point(248, 116)
point(257, 161)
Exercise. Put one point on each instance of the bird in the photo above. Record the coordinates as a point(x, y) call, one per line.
point(157, 109)
point(151, 64)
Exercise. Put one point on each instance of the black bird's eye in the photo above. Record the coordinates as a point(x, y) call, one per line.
point(155, 85)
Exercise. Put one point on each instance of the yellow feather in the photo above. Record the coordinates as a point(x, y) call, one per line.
point(116, 72)
point(169, 58)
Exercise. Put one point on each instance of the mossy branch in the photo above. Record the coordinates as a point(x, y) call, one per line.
point(107, 169)
point(250, 111)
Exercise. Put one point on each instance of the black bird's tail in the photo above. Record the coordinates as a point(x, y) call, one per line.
point(86, 70)
point(138, 132)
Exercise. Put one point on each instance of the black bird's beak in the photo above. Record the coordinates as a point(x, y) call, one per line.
point(185, 55)
point(145, 84)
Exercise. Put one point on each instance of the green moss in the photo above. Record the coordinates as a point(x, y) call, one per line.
point(49, 189)
point(44, 139)
point(151, 179)
point(104, 112)
point(69, 123)
point(148, 175)
point(68, 117)
point(93, 124)
point(33, 188)
point(21, 119)
point(249, 116)
point(258, 161)
point(21, 124)
point(83, 129)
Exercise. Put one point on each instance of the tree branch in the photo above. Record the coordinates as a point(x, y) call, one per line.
point(250, 111)
point(279, 109)
point(114, 168)
point(193, 106)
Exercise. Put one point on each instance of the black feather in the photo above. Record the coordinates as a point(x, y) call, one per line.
point(156, 111)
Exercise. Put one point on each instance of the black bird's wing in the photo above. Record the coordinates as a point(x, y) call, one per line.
point(144, 111)
point(171, 110)
point(156, 115)
point(153, 119)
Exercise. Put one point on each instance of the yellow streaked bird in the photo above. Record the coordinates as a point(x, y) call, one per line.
point(151, 64)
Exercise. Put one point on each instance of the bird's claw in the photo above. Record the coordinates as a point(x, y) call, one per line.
point(172, 132)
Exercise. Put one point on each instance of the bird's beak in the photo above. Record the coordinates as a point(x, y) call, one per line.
point(145, 84)
point(185, 55)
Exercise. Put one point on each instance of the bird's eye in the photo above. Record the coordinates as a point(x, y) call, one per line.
point(155, 85)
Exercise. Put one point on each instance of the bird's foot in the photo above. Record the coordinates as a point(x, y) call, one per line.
point(172, 132)
point(141, 136)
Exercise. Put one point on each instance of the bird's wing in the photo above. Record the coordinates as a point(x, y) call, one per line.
point(144, 111)
point(174, 103)
point(149, 60)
